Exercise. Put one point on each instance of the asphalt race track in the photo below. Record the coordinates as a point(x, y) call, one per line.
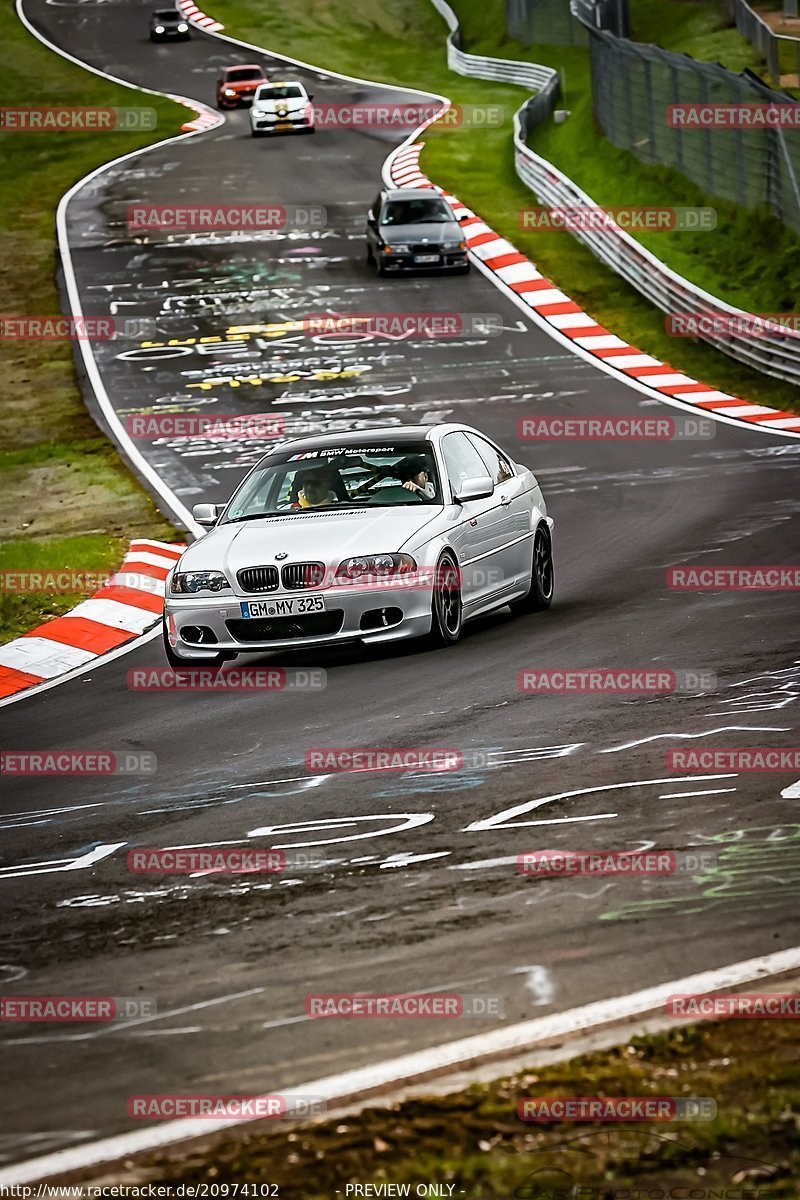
point(419, 889)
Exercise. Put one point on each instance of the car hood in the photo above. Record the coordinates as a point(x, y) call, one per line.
point(279, 107)
point(434, 231)
point(311, 537)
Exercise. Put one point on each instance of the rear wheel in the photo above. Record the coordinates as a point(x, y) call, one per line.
point(446, 608)
point(540, 595)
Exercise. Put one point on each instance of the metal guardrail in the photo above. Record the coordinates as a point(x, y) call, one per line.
point(668, 291)
point(782, 52)
point(502, 70)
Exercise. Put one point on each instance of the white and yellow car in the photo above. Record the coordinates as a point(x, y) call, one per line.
point(281, 108)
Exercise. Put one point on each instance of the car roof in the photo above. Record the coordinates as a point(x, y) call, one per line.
point(411, 194)
point(398, 434)
point(276, 83)
point(245, 67)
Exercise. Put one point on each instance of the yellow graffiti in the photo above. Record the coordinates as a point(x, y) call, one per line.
point(257, 380)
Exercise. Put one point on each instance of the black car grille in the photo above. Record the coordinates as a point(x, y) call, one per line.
point(280, 628)
point(426, 249)
point(258, 579)
point(296, 576)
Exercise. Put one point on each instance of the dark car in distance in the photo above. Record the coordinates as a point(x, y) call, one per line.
point(169, 25)
point(412, 229)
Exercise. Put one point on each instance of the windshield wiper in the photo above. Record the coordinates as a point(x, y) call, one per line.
point(253, 517)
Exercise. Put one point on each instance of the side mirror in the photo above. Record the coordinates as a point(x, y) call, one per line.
point(474, 489)
point(463, 218)
point(311, 95)
point(371, 219)
point(206, 514)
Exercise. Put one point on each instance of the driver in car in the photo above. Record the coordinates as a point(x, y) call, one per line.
point(414, 474)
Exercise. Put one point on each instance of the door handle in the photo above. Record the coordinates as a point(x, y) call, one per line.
point(505, 501)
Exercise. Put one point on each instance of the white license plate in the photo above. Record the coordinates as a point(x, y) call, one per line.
point(423, 258)
point(296, 607)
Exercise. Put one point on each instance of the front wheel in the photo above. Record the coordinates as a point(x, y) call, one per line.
point(446, 609)
point(177, 663)
point(540, 595)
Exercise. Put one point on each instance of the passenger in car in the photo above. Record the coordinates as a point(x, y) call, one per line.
point(313, 489)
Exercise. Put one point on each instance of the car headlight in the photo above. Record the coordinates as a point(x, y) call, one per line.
point(182, 27)
point(454, 246)
point(374, 566)
point(396, 249)
point(228, 92)
point(188, 582)
point(159, 28)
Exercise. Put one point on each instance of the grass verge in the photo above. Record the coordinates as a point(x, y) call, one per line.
point(750, 260)
point(474, 1141)
point(66, 498)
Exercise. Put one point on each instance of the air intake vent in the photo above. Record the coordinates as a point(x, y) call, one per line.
point(258, 579)
point(296, 576)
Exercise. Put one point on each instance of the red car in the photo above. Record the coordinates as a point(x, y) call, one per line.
point(238, 85)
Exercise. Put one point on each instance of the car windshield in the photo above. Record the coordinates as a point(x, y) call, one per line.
point(415, 212)
point(290, 92)
point(340, 477)
point(166, 14)
point(240, 74)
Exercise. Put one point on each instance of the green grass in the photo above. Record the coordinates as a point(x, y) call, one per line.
point(473, 1139)
point(90, 555)
point(749, 260)
point(696, 27)
point(60, 479)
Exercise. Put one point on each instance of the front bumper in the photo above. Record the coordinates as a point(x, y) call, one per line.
point(352, 614)
point(285, 125)
point(170, 35)
point(448, 261)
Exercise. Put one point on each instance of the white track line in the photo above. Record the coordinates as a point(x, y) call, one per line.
point(356, 1085)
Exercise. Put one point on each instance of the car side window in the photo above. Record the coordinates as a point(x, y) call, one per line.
point(497, 465)
point(461, 459)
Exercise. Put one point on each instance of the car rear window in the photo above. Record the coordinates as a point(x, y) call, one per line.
point(239, 74)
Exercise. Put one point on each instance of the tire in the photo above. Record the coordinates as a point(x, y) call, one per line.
point(370, 255)
point(177, 663)
point(380, 268)
point(540, 595)
point(447, 616)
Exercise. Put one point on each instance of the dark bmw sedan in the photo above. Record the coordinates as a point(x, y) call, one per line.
point(414, 229)
point(168, 24)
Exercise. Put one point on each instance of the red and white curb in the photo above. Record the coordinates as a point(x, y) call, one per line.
point(519, 274)
point(131, 602)
point(196, 17)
